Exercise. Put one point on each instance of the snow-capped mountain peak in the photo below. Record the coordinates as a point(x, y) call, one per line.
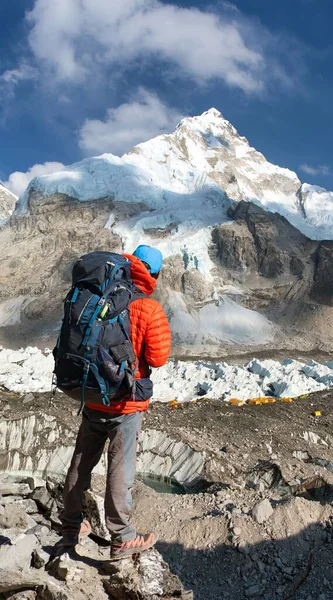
point(194, 173)
point(7, 202)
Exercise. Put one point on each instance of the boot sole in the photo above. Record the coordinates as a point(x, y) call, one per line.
point(138, 551)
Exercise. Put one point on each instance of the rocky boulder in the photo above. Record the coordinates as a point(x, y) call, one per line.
point(32, 569)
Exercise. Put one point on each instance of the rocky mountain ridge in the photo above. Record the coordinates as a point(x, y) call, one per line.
point(235, 272)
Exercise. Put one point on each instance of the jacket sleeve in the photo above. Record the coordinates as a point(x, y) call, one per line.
point(158, 338)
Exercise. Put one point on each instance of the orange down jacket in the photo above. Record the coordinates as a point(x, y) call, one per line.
point(150, 335)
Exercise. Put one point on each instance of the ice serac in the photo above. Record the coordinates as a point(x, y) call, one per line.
point(245, 263)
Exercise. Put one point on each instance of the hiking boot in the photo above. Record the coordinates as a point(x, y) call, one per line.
point(71, 538)
point(120, 550)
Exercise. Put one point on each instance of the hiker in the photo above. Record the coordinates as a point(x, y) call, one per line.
point(119, 423)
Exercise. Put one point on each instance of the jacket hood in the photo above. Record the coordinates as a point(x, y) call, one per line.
point(142, 279)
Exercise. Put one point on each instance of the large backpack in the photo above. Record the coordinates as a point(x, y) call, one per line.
point(94, 357)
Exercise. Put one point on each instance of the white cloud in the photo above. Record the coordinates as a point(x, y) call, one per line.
point(22, 73)
point(129, 124)
point(18, 181)
point(10, 80)
point(319, 170)
point(74, 37)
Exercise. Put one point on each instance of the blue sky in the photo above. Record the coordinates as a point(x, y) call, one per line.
point(81, 77)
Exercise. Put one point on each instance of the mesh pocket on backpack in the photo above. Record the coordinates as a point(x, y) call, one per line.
point(109, 368)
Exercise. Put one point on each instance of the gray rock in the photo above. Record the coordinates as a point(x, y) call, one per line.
point(253, 591)
point(43, 498)
point(261, 566)
point(51, 592)
point(14, 515)
point(15, 489)
point(55, 521)
point(40, 531)
point(262, 511)
point(243, 548)
point(39, 558)
point(17, 555)
point(300, 455)
point(28, 398)
point(29, 505)
point(260, 486)
point(66, 569)
point(24, 595)
point(148, 577)
point(16, 580)
point(9, 500)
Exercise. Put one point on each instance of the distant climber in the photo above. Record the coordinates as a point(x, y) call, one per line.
point(186, 257)
point(119, 420)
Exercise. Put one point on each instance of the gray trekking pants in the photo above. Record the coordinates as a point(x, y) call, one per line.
point(122, 432)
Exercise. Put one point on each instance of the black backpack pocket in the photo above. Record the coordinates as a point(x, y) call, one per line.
point(143, 388)
point(123, 352)
point(69, 370)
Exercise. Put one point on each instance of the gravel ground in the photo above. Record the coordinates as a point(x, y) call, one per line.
point(262, 524)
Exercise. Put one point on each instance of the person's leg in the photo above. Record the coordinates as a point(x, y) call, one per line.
point(122, 432)
point(88, 451)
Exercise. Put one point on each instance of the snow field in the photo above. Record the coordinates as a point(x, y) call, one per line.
point(30, 370)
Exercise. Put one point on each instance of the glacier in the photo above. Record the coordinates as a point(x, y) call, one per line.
point(30, 370)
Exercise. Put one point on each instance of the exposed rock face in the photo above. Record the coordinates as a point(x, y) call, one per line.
point(261, 243)
point(322, 289)
point(259, 246)
point(40, 251)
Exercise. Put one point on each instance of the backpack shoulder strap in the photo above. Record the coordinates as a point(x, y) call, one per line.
point(137, 294)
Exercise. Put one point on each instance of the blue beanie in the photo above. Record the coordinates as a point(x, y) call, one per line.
point(151, 256)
